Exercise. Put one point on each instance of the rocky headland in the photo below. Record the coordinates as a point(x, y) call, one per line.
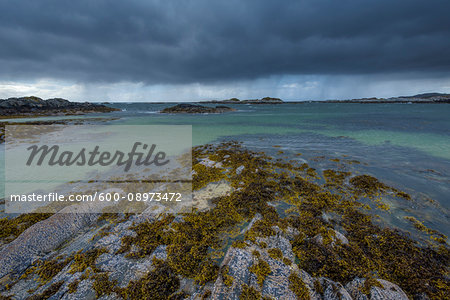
point(35, 106)
point(186, 108)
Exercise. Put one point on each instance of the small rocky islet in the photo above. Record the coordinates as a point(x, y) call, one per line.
point(186, 108)
point(281, 230)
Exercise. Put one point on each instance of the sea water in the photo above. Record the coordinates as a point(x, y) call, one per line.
point(406, 146)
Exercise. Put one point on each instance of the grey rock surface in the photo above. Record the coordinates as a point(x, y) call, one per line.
point(65, 234)
point(389, 291)
point(338, 237)
point(41, 238)
point(275, 285)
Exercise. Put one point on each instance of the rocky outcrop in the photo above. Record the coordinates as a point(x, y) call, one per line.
point(36, 106)
point(337, 237)
point(41, 238)
point(277, 284)
point(185, 108)
point(382, 290)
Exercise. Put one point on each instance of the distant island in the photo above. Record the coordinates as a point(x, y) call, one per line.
point(420, 98)
point(265, 100)
point(35, 107)
point(186, 108)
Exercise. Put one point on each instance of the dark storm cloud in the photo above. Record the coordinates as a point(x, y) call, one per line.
point(207, 41)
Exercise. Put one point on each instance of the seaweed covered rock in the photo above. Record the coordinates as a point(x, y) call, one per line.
point(271, 230)
point(262, 267)
point(42, 237)
point(335, 237)
point(330, 290)
point(237, 262)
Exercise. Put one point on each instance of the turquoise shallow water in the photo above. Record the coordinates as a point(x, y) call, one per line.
point(422, 127)
point(405, 145)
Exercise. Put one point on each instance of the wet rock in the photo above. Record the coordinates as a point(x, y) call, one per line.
point(332, 290)
point(238, 261)
point(202, 199)
point(41, 238)
point(276, 283)
point(337, 237)
point(116, 265)
point(124, 270)
point(278, 242)
point(389, 291)
point(188, 286)
point(290, 233)
point(422, 296)
point(239, 170)
point(84, 291)
point(255, 218)
point(201, 292)
point(210, 163)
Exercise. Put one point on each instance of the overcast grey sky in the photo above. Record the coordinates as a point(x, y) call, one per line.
point(195, 50)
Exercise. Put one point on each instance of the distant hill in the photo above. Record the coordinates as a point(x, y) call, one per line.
point(427, 95)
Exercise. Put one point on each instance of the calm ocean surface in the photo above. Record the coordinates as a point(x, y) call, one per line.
point(406, 146)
